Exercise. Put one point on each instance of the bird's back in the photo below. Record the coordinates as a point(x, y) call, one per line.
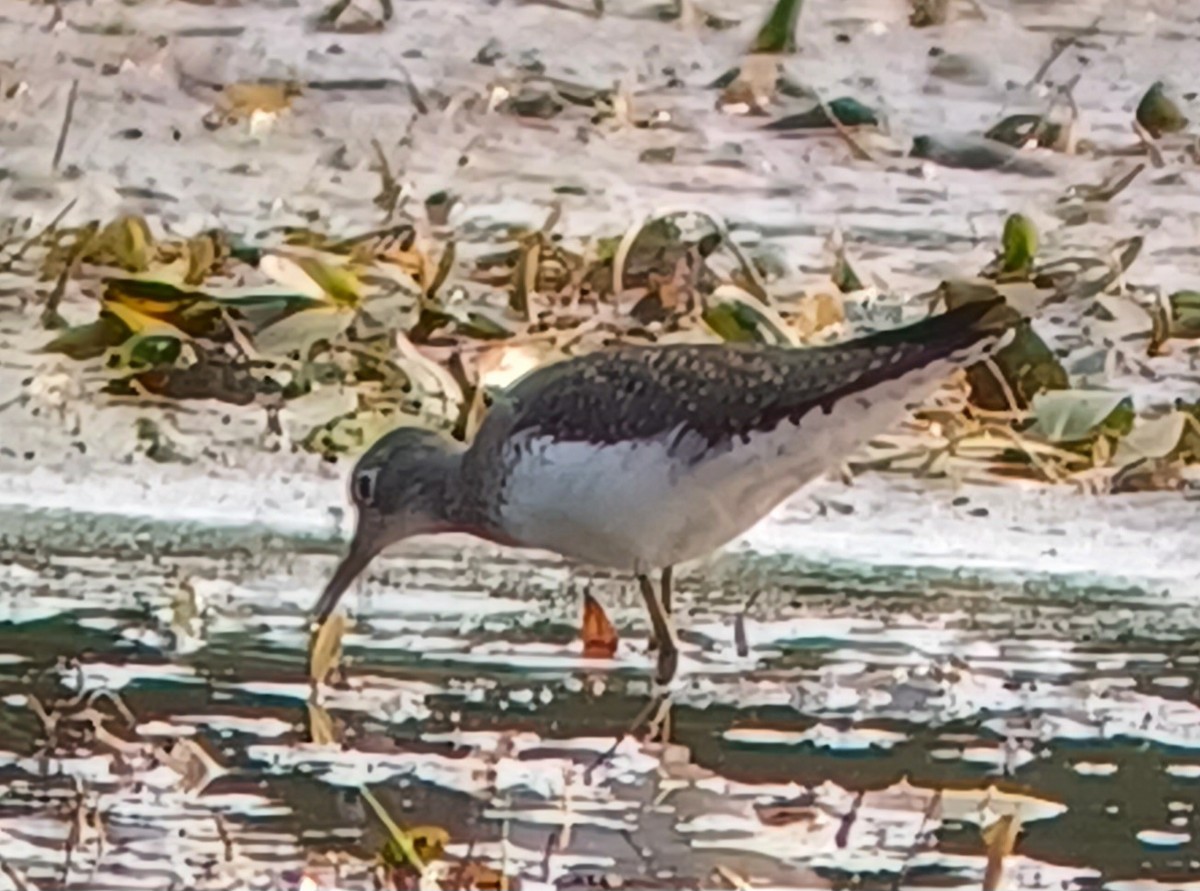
point(649, 455)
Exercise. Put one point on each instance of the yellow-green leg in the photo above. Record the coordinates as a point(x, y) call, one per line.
point(663, 634)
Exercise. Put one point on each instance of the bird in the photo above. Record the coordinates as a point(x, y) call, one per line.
point(639, 458)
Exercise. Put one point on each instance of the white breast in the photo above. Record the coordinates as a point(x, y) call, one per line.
point(643, 505)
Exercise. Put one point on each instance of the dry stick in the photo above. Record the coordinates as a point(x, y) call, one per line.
point(32, 240)
point(1156, 157)
point(855, 149)
point(66, 124)
point(74, 836)
point(934, 801)
point(1109, 190)
point(547, 853)
point(404, 231)
point(622, 254)
point(1009, 396)
point(1059, 46)
point(740, 643)
point(50, 317)
point(651, 708)
point(739, 883)
point(504, 842)
point(1034, 459)
point(414, 95)
point(18, 881)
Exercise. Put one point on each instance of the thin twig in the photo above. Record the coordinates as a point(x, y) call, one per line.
point(855, 149)
point(753, 284)
point(622, 254)
point(1059, 46)
point(650, 708)
point(34, 239)
point(50, 317)
point(15, 877)
point(1143, 135)
point(66, 124)
point(1034, 459)
point(934, 801)
point(1009, 396)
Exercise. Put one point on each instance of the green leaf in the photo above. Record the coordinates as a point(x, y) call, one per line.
point(483, 326)
point(1152, 439)
point(849, 112)
point(299, 332)
point(1028, 367)
point(1018, 129)
point(733, 323)
point(1158, 114)
point(976, 153)
point(778, 33)
point(737, 318)
point(154, 350)
point(91, 340)
point(1020, 244)
point(1065, 416)
point(1185, 314)
point(844, 277)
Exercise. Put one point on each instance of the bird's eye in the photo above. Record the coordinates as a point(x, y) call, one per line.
point(363, 485)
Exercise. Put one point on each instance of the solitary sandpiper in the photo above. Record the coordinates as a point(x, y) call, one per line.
point(639, 458)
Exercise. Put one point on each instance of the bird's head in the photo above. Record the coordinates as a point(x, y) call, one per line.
point(402, 486)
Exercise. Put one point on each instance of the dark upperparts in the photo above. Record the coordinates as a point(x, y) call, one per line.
point(720, 391)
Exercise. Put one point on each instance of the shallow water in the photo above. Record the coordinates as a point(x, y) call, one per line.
point(468, 706)
point(1025, 650)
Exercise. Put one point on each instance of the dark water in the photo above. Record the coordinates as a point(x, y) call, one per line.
point(468, 708)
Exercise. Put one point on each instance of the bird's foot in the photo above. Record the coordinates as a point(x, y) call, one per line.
point(658, 729)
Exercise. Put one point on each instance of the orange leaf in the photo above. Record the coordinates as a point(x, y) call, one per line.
point(599, 635)
point(476, 876)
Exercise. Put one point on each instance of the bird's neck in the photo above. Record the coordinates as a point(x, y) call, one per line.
point(443, 490)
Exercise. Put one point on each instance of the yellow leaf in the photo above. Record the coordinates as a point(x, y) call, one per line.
point(201, 253)
point(336, 281)
point(402, 839)
point(325, 648)
point(320, 726)
point(429, 841)
point(1000, 838)
point(142, 324)
point(127, 240)
point(314, 277)
point(245, 99)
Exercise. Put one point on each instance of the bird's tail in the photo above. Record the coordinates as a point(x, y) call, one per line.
point(905, 364)
point(973, 325)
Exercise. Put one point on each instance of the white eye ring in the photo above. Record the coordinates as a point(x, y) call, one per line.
point(363, 485)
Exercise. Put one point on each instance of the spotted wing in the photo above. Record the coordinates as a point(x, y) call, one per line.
point(721, 392)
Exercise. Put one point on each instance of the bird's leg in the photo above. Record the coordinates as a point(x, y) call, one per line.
point(666, 602)
point(660, 622)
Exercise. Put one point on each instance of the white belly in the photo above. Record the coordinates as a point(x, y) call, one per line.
point(645, 505)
